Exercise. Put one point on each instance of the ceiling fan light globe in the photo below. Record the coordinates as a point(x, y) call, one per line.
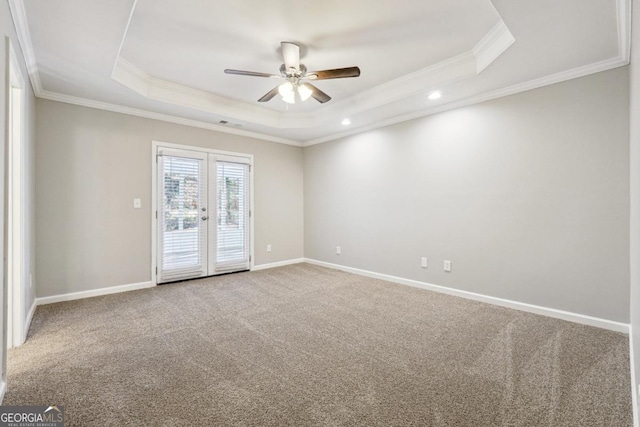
point(304, 92)
point(286, 89)
point(289, 98)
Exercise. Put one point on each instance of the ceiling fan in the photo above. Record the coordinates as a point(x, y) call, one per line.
point(297, 77)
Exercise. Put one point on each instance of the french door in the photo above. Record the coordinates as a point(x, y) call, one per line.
point(202, 214)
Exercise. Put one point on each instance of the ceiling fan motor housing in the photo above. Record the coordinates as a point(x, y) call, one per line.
point(291, 72)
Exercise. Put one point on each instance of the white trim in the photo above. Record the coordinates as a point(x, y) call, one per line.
point(530, 308)
point(126, 31)
point(3, 390)
point(16, 210)
point(154, 207)
point(487, 96)
point(252, 214)
point(84, 102)
point(158, 89)
point(130, 287)
point(623, 9)
point(94, 293)
point(5, 226)
point(27, 323)
point(492, 45)
point(277, 264)
point(177, 146)
point(634, 383)
point(19, 17)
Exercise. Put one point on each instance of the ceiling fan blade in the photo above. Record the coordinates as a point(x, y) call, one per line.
point(317, 94)
point(291, 55)
point(269, 95)
point(251, 73)
point(338, 73)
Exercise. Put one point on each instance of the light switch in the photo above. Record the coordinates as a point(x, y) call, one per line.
point(137, 204)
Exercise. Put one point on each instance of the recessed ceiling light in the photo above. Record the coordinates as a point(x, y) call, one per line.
point(435, 95)
point(346, 122)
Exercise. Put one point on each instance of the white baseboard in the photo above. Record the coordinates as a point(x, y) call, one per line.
point(135, 286)
point(277, 264)
point(94, 293)
point(634, 380)
point(536, 309)
point(27, 322)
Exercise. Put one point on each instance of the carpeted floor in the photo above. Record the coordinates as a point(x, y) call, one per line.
point(307, 346)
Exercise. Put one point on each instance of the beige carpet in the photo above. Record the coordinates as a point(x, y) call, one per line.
point(308, 346)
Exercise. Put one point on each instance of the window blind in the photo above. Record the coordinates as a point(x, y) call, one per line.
point(232, 222)
point(182, 231)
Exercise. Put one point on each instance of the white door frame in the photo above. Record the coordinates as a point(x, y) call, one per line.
point(155, 145)
point(15, 201)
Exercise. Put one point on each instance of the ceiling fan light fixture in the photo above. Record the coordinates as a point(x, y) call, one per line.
point(295, 74)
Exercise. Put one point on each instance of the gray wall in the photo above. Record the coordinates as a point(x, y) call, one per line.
point(635, 189)
point(92, 164)
point(7, 30)
point(527, 195)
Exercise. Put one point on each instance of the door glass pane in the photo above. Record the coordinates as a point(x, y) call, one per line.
point(182, 236)
point(232, 214)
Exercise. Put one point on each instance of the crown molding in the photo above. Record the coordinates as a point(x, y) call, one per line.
point(149, 86)
point(19, 16)
point(460, 67)
point(125, 32)
point(449, 71)
point(68, 99)
point(492, 45)
point(138, 80)
point(476, 99)
point(623, 9)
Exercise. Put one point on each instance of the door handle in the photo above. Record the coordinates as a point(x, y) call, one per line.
point(204, 218)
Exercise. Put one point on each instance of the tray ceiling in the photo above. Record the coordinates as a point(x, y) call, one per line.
point(165, 59)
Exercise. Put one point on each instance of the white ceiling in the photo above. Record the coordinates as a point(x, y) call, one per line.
point(165, 58)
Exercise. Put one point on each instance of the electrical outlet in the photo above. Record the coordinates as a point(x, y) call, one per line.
point(423, 262)
point(268, 248)
point(447, 266)
point(338, 250)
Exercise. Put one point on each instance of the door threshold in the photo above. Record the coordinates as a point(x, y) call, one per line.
point(204, 277)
